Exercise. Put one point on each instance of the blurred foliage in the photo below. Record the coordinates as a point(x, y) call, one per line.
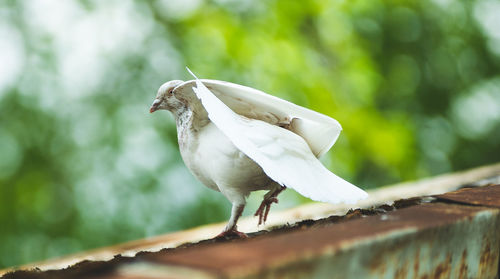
point(415, 84)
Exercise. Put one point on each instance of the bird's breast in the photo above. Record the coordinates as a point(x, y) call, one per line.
point(217, 162)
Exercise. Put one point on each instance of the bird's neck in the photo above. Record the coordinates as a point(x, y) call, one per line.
point(186, 131)
point(183, 117)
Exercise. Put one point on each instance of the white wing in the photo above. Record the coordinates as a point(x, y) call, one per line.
point(283, 155)
point(319, 131)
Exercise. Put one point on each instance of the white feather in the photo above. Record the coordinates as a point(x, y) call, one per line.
point(319, 131)
point(283, 155)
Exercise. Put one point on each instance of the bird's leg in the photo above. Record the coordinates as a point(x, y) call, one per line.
point(265, 206)
point(230, 229)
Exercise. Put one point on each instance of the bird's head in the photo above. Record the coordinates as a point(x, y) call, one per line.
point(165, 98)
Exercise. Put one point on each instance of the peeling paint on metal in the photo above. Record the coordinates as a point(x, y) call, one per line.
point(454, 235)
point(423, 241)
point(485, 196)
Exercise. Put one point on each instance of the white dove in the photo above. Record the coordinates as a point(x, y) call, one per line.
point(236, 139)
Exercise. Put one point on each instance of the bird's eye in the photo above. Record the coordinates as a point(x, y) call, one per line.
point(170, 91)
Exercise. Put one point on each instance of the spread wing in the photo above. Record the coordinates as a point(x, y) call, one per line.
point(319, 131)
point(283, 155)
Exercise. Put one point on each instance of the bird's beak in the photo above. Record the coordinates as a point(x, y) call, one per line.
point(154, 106)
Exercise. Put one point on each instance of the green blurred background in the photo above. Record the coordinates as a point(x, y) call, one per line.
point(415, 84)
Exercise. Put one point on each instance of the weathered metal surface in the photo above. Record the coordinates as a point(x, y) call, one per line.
point(433, 240)
point(485, 196)
point(456, 236)
point(427, 186)
point(424, 241)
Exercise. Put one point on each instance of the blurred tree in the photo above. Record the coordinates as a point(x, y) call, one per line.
point(415, 85)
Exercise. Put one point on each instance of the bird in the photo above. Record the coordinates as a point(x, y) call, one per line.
point(236, 139)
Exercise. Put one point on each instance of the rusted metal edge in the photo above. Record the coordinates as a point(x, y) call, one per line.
point(304, 249)
point(428, 186)
point(267, 253)
point(482, 196)
point(131, 267)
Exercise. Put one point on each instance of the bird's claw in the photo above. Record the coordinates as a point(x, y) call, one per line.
point(264, 208)
point(231, 233)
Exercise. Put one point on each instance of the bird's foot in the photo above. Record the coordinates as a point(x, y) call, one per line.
point(264, 208)
point(231, 234)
